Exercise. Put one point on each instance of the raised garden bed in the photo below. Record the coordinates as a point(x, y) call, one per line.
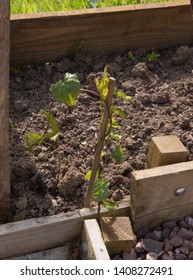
point(161, 105)
point(47, 37)
point(159, 81)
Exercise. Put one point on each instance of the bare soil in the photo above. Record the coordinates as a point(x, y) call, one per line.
point(162, 92)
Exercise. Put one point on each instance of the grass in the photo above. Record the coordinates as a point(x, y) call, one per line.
point(37, 6)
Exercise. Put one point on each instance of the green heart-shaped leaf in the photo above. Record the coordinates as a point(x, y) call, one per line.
point(66, 91)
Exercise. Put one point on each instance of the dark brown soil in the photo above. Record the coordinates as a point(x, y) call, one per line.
point(162, 92)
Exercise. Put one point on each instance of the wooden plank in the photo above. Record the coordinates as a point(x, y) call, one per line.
point(4, 113)
point(33, 235)
point(164, 150)
point(93, 246)
point(153, 194)
point(118, 234)
point(58, 253)
point(48, 37)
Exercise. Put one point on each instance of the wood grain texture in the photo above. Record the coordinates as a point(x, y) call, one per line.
point(153, 198)
point(92, 242)
point(58, 253)
point(4, 112)
point(164, 150)
point(48, 37)
point(33, 235)
point(117, 234)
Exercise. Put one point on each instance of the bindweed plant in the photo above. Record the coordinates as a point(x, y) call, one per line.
point(98, 189)
point(66, 92)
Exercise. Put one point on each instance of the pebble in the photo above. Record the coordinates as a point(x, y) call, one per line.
point(169, 224)
point(142, 232)
point(185, 234)
point(185, 249)
point(176, 241)
point(189, 221)
point(180, 257)
point(190, 256)
point(166, 257)
point(155, 235)
point(128, 256)
point(167, 245)
point(183, 223)
point(151, 245)
point(189, 244)
point(151, 256)
point(166, 232)
point(139, 247)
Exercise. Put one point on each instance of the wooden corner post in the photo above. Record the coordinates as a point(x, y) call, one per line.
point(4, 103)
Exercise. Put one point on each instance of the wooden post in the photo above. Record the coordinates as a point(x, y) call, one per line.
point(117, 234)
point(165, 150)
point(93, 246)
point(161, 193)
point(4, 99)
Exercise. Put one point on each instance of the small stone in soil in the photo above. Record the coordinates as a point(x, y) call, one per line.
point(151, 245)
point(185, 233)
point(166, 233)
point(142, 232)
point(169, 224)
point(155, 235)
point(128, 256)
point(166, 256)
point(190, 256)
point(167, 245)
point(176, 241)
point(151, 256)
point(139, 248)
point(180, 257)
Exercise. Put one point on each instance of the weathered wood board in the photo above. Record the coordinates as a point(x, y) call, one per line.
point(93, 246)
point(4, 112)
point(48, 37)
point(153, 194)
point(58, 253)
point(33, 235)
point(117, 234)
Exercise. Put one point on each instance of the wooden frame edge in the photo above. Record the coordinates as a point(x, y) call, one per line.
point(33, 235)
